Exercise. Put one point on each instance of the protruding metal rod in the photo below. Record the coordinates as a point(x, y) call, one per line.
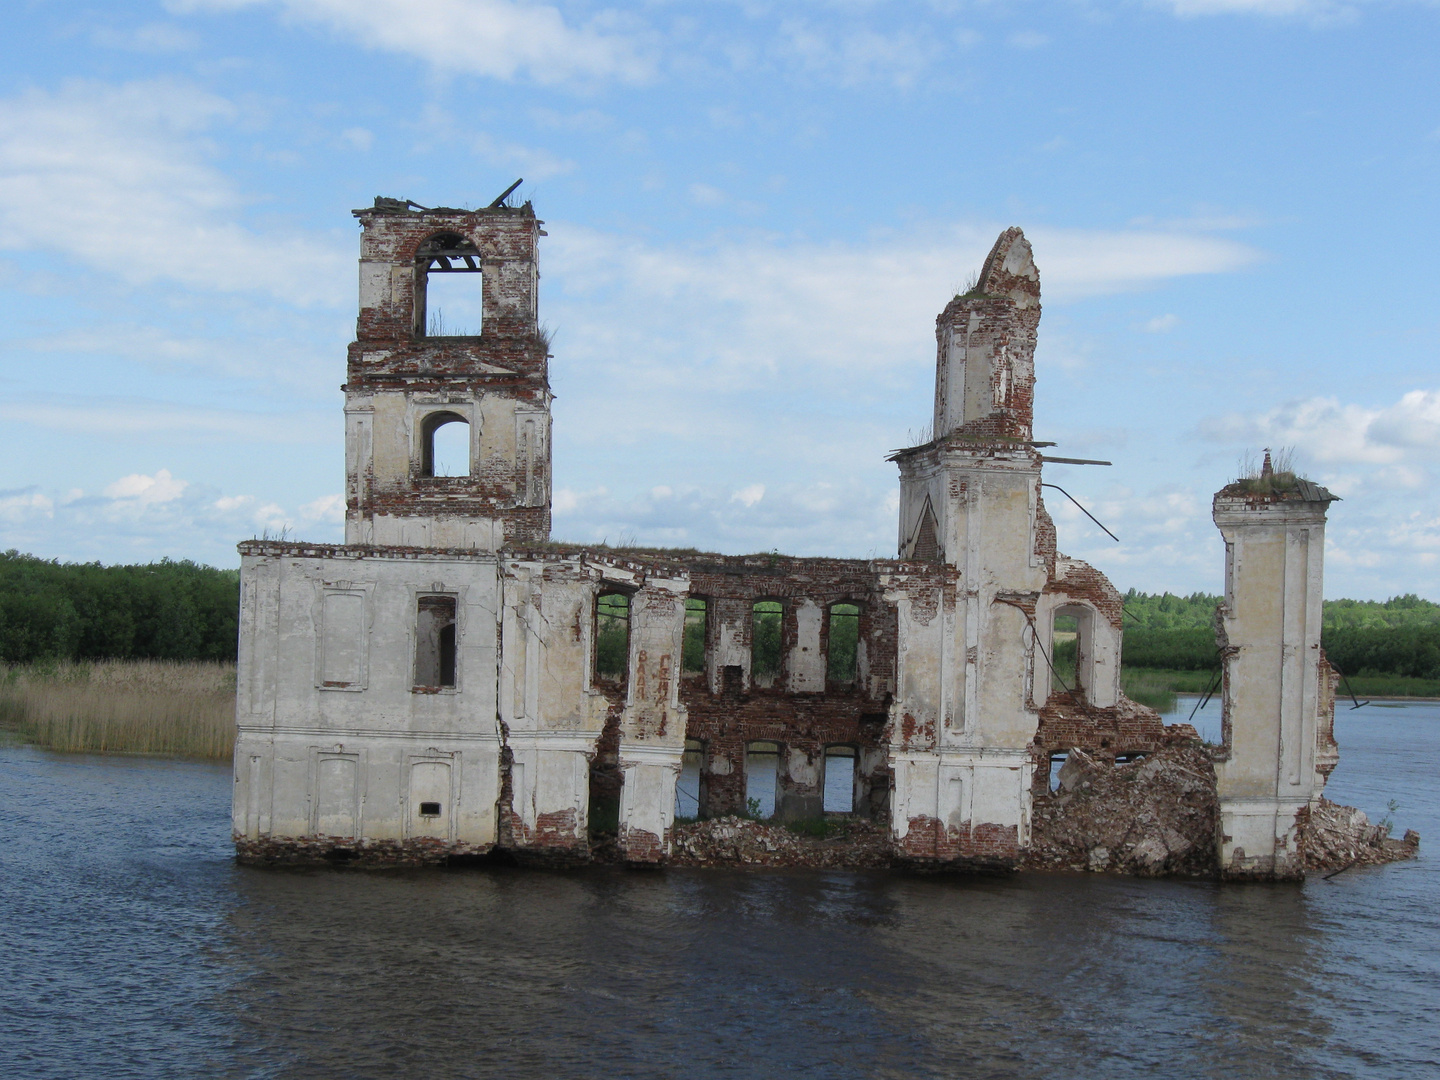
point(1087, 513)
point(1072, 460)
point(505, 194)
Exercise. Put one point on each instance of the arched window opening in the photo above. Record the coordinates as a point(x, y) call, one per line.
point(448, 296)
point(446, 449)
point(692, 650)
point(765, 619)
point(840, 762)
point(762, 763)
point(1064, 647)
point(844, 644)
point(687, 785)
point(435, 642)
point(1070, 649)
point(612, 637)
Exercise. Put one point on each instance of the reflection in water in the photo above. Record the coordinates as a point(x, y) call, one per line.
point(131, 945)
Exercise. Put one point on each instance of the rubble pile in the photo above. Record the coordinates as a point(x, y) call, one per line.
point(732, 840)
point(1338, 837)
point(1148, 817)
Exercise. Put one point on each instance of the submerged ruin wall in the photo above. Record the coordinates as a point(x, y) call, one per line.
point(450, 684)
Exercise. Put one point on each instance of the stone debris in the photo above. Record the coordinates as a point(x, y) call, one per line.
point(1148, 817)
point(1338, 837)
point(737, 841)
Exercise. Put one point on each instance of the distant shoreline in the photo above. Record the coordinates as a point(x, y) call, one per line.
point(1339, 700)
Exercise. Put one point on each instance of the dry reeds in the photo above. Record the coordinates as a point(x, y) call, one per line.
point(183, 708)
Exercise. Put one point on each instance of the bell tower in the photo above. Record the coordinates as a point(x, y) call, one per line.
point(447, 395)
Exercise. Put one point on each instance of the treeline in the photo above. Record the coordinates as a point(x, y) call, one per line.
point(1412, 651)
point(1166, 611)
point(84, 611)
point(1398, 637)
point(184, 611)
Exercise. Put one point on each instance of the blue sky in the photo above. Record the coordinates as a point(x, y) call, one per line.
point(755, 211)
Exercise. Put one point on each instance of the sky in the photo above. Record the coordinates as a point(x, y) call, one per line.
point(755, 210)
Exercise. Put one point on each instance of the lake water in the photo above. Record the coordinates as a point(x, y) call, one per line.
point(131, 945)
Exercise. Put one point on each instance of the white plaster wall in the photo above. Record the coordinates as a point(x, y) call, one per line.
point(294, 732)
point(652, 731)
point(1271, 620)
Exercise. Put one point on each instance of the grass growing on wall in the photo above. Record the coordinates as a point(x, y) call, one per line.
point(180, 708)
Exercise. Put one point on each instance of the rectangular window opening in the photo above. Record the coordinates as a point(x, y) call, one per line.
point(762, 764)
point(687, 786)
point(766, 618)
point(453, 295)
point(612, 637)
point(844, 643)
point(840, 764)
point(435, 642)
point(429, 809)
point(1064, 649)
point(692, 651)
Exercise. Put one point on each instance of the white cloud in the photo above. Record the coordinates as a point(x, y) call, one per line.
point(749, 496)
point(358, 137)
point(852, 55)
point(294, 361)
point(131, 417)
point(1190, 8)
point(1403, 436)
point(536, 164)
point(141, 517)
point(119, 179)
point(25, 503)
point(329, 508)
point(160, 488)
point(495, 38)
point(152, 37)
point(1161, 324)
point(764, 304)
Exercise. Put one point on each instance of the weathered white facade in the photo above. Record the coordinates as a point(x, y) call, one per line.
point(1279, 699)
point(449, 682)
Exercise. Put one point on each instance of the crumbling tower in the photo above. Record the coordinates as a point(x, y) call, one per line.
point(1278, 698)
point(414, 374)
point(970, 498)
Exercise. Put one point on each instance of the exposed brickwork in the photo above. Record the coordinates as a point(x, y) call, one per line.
point(302, 850)
point(639, 847)
point(930, 844)
point(393, 356)
point(725, 716)
point(1079, 580)
point(1125, 728)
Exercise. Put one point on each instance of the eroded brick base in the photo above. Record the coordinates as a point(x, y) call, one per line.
point(643, 848)
point(342, 850)
point(931, 845)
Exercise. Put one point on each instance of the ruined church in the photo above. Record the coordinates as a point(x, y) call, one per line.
point(450, 682)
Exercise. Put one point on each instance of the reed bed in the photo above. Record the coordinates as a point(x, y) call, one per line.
point(1154, 688)
point(181, 708)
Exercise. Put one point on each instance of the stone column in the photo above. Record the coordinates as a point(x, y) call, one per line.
point(1268, 630)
